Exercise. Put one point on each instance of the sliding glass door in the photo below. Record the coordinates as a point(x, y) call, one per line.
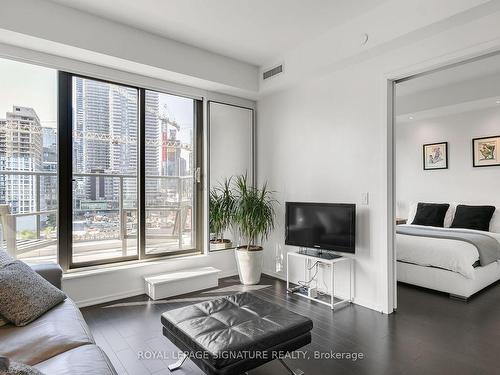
point(170, 172)
point(104, 171)
point(128, 175)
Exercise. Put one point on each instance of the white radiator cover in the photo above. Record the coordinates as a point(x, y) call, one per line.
point(180, 282)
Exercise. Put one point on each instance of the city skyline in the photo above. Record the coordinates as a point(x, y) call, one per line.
point(34, 86)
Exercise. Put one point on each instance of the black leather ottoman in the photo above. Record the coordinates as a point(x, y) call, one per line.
point(234, 334)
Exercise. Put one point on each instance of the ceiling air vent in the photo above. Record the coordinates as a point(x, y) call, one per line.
point(272, 72)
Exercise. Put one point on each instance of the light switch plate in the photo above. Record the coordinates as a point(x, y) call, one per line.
point(365, 199)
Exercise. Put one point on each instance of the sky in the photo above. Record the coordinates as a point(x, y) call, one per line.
point(30, 86)
point(180, 109)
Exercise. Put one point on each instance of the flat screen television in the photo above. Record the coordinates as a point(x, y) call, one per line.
point(325, 226)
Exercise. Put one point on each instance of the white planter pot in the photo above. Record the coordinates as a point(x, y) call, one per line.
point(249, 265)
point(220, 245)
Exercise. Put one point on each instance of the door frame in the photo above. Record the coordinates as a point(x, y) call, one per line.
point(390, 79)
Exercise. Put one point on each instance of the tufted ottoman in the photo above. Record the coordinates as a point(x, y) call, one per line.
point(234, 334)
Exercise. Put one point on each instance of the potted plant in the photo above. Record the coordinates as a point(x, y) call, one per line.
point(254, 217)
point(222, 204)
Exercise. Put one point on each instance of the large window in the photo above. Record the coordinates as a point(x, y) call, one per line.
point(121, 159)
point(28, 161)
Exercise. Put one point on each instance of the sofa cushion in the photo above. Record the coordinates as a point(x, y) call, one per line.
point(84, 360)
point(24, 294)
point(60, 329)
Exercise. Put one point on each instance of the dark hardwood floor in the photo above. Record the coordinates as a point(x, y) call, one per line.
point(429, 334)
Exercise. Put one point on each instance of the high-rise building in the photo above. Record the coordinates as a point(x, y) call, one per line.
point(152, 154)
point(21, 149)
point(48, 193)
point(91, 145)
point(105, 141)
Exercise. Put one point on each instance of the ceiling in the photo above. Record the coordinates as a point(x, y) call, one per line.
point(471, 86)
point(254, 31)
point(461, 73)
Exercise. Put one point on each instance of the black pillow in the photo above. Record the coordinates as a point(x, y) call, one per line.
point(431, 214)
point(473, 217)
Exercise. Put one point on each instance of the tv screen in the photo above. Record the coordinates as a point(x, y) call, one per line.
point(328, 226)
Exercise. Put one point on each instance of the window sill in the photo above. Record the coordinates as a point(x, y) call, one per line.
point(112, 267)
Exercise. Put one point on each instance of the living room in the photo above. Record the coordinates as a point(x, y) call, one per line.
point(165, 159)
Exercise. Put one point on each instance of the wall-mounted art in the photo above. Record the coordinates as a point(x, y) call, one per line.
point(436, 156)
point(485, 151)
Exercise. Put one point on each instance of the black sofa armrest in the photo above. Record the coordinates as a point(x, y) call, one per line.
point(50, 272)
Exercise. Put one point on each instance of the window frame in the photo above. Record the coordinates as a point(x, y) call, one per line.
point(65, 175)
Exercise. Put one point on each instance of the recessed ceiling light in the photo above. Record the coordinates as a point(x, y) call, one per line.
point(411, 117)
point(498, 102)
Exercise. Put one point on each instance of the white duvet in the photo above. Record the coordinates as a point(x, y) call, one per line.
point(453, 255)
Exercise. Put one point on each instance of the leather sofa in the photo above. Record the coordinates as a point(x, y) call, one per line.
point(57, 343)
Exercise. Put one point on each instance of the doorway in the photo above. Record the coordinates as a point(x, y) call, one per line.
point(446, 142)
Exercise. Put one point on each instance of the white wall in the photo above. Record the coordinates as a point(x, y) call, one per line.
point(461, 182)
point(324, 138)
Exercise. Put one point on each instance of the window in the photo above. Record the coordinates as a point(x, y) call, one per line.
point(120, 162)
point(105, 170)
point(169, 130)
point(28, 161)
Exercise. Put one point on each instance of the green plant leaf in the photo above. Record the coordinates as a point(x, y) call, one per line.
point(254, 212)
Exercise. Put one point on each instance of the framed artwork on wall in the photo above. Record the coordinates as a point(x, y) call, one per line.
point(435, 156)
point(485, 151)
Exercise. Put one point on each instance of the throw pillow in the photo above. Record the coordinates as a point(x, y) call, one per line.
point(15, 368)
point(473, 217)
point(448, 218)
point(5, 258)
point(24, 294)
point(3, 321)
point(431, 214)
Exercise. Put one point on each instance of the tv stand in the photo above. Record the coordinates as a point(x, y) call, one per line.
point(318, 253)
point(328, 259)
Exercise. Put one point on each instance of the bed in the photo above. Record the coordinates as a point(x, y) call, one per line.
point(448, 259)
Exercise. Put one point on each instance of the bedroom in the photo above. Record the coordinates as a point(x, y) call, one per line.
point(447, 179)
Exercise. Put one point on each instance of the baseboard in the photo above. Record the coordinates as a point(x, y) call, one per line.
point(228, 273)
point(108, 298)
point(274, 274)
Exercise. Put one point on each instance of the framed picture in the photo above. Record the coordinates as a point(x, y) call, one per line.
point(436, 156)
point(485, 151)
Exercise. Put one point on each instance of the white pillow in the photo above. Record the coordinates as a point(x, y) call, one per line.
point(412, 211)
point(448, 219)
point(495, 222)
point(450, 215)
